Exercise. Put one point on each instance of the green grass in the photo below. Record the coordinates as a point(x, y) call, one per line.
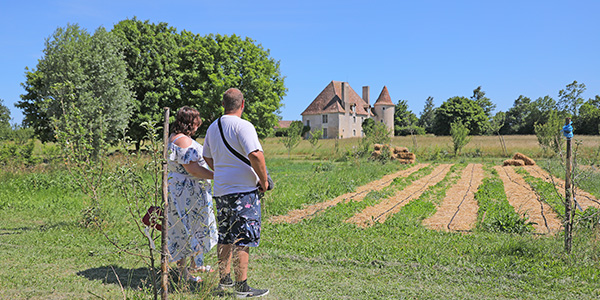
point(46, 254)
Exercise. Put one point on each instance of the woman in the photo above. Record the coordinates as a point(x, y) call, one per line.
point(191, 220)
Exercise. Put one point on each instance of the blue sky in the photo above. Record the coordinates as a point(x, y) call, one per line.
point(415, 48)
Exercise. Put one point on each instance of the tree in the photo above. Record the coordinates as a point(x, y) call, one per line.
point(212, 64)
point(539, 112)
point(483, 101)
point(367, 126)
point(5, 128)
point(569, 99)
point(463, 110)
point(588, 119)
point(496, 125)
point(314, 138)
point(405, 121)
point(293, 137)
point(78, 70)
point(427, 117)
point(151, 53)
point(516, 116)
point(460, 136)
point(549, 132)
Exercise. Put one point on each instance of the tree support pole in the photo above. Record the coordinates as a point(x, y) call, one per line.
point(164, 278)
point(568, 196)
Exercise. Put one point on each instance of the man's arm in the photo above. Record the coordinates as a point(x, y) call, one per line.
point(257, 160)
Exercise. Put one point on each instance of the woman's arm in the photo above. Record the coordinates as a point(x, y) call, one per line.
point(196, 170)
point(193, 168)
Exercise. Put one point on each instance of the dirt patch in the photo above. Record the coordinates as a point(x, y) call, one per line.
point(380, 212)
point(308, 212)
point(458, 211)
point(583, 198)
point(524, 200)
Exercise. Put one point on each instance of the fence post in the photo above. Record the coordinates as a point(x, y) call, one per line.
point(164, 257)
point(568, 195)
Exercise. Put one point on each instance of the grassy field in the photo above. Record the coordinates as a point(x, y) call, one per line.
point(45, 252)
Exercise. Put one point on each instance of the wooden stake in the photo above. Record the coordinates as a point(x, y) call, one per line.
point(164, 250)
point(568, 197)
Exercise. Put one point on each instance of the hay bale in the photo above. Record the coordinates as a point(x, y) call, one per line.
point(376, 153)
point(513, 162)
point(406, 155)
point(400, 150)
point(377, 147)
point(528, 161)
point(406, 161)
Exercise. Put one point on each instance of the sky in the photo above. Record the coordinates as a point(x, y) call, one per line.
point(417, 49)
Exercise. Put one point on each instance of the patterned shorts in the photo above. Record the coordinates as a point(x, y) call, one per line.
point(238, 216)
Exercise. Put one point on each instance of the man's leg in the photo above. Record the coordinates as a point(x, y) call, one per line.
point(224, 252)
point(242, 254)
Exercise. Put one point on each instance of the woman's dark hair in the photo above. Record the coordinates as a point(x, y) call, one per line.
point(185, 120)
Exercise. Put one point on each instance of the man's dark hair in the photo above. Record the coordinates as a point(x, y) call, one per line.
point(232, 100)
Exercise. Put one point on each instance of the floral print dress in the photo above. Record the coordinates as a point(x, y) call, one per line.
point(192, 229)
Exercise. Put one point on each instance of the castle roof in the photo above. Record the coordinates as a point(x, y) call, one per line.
point(384, 98)
point(330, 100)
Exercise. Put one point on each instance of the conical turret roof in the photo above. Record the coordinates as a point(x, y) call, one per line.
point(384, 98)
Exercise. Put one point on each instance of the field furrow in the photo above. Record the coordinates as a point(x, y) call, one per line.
point(390, 206)
point(524, 200)
point(308, 212)
point(582, 198)
point(458, 210)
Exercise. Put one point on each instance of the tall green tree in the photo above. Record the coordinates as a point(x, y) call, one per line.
point(588, 119)
point(405, 121)
point(212, 64)
point(540, 111)
point(516, 116)
point(5, 128)
point(78, 70)
point(483, 101)
point(569, 99)
point(427, 116)
point(463, 110)
point(151, 52)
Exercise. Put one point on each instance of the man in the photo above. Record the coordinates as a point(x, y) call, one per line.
point(236, 189)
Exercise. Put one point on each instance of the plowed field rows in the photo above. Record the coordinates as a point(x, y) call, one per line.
point(458, 210)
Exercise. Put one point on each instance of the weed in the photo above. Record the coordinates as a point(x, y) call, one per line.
point(495, 213)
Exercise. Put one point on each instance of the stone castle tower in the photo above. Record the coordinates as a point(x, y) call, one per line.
point(384, 109)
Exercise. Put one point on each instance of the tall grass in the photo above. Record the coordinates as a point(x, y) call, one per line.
point(46, 254)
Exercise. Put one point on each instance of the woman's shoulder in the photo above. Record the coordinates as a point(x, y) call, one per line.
point(182, 141)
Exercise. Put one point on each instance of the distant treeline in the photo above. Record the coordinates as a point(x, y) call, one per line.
point(476, 113)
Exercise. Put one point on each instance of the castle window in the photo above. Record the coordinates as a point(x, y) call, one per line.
point(308, 123)
point(354, 119)
point(324, 132)
point(324, 118)
point(354, 132)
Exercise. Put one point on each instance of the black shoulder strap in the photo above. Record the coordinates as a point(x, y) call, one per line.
point(237, 154)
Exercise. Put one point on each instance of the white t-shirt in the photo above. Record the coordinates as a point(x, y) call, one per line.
point(231, 174)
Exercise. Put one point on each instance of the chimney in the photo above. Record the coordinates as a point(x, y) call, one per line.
point(344, 94)
point(366, 91)
point(365, 96)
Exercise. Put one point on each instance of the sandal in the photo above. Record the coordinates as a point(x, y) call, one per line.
point(194, 279)
point(202, 269)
